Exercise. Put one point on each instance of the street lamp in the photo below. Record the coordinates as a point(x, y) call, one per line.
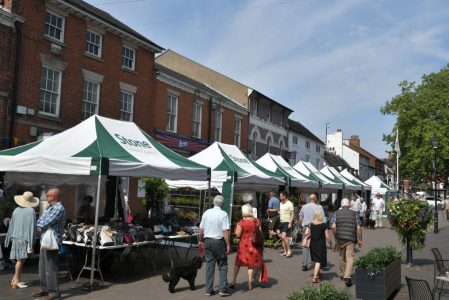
point(435, 141)
point(325, 140)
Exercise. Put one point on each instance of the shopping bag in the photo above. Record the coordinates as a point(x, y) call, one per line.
point(263, 275)
point(48, 240)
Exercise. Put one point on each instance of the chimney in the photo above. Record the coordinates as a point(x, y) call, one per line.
point(354, 140)
point(339, 130)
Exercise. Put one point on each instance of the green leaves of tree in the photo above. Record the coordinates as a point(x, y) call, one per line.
point(422, 111)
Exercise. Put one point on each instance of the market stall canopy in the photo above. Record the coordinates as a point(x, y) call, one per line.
point(333, 174)
point(354, 180)
point(276, 164)
point(101, 145)
point(377, 185)
point(225, 157)
point(310, 172)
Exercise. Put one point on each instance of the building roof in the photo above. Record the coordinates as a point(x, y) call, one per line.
point(334, 160)
point(259, 94)
point(302, 130)
point(109, 20)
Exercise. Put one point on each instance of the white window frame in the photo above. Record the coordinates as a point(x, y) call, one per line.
point(129, 97)
point(318, 161)
point(133, 59)
point(57, 92)
point(307, 158)
point(308, 145)
point(295, 140)
point(89, 42)
point(318, 148)
point(172, 112)
point(196, 120)
point(237, 131)
point(218, 121)
point(94, 93)
point(62, 28)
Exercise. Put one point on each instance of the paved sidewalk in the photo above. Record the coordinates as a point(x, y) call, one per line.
point(136, 281)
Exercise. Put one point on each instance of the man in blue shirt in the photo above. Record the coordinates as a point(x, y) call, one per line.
point(54, 217)
point(274, 205)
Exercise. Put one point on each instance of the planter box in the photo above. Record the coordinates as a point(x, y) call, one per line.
point(382, 286)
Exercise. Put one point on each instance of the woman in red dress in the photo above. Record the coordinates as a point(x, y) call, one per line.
point(247, 254)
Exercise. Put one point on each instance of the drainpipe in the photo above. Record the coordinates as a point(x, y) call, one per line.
point(12, 112)
point(210, 120)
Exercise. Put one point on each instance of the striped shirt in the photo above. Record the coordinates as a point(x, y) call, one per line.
point(55, 218)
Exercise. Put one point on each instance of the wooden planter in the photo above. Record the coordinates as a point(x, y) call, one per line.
point(382, 286)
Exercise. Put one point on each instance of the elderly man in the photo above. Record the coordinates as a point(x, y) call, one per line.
point(305, 218)
point(377, 206)
point(214, 230)
point(346, 227)
point(54, 218)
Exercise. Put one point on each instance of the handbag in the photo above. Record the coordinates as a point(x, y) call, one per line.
point(263, 276)
point(128, 237)
point(257, 236)
point(48, 240)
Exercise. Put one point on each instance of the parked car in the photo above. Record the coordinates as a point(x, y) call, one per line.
point(431, 201)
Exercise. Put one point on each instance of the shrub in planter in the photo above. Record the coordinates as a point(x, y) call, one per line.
point(378, 273)
point(323, 292)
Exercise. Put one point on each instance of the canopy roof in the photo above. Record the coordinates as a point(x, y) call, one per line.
point(104, 145)
point(278, 165)
point(311, 173)
point(225, 157)
point(333, 174)
point(354, 180)
point(377, 185)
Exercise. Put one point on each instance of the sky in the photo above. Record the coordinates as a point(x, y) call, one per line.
point(330, 61)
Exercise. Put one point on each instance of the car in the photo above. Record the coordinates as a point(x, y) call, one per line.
point(431, 201)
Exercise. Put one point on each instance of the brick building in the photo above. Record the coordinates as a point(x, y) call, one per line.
point(74, 61)
point(188, 116)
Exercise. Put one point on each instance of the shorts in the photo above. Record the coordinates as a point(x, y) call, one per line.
point(274, 223)
point(283, 226)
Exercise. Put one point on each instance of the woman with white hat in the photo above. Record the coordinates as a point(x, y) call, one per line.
point(22, 233)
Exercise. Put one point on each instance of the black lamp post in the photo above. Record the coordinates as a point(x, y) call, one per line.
point(435, 141)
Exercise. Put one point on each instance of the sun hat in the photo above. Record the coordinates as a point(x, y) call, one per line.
point(26, 200)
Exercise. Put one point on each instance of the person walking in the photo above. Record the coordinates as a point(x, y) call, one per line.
point(362, 214)
point(286, 221)
point(318, 234)
point(247, 254)
point(214, 237)
point(377, 207)
point(22, 234)
point(305, 218)
point(347, 230)
point(273, 214)
point(55, 218)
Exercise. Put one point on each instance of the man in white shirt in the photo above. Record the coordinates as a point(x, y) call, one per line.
point(355, 203)
point(214, 230)
point(377, 207)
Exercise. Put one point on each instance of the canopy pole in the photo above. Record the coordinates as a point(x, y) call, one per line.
point(209, 178)
point(94, 241)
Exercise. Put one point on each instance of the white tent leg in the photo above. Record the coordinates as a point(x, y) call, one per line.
point(94, 241)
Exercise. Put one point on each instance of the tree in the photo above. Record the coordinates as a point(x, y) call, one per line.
point(422, 111)
point(156, 189)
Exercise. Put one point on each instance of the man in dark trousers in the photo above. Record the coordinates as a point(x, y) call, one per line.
point(214, 230)
point(347, 231)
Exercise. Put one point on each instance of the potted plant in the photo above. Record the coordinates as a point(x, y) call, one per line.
point(410, 218)
point(324, 291)
point(378, 273)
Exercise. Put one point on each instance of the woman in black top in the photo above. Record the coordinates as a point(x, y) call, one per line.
point(318, 232)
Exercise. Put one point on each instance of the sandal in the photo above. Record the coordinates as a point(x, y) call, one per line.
point(315, 280)
point(289, 255)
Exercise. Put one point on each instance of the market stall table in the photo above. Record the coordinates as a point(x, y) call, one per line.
point(87, 247)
